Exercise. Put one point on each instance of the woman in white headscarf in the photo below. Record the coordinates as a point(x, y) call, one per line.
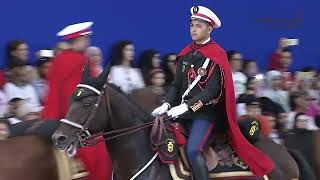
point(95, 58)
point(274, 91)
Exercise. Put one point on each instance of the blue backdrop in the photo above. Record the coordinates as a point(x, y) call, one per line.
point(252, 27)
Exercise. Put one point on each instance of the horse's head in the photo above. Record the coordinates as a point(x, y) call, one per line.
point(84, 107)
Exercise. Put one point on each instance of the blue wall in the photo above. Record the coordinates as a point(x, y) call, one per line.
point(253, 27)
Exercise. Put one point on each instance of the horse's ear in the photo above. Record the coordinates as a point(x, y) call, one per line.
point(86, 72)
point(103, 77)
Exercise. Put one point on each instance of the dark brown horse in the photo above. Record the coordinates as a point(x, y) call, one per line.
point(97, 106)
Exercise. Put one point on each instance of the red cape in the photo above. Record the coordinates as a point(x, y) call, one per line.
point(259, 163)
point(64, 76)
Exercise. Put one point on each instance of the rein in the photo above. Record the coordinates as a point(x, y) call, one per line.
point(87, 139)
point(96, 138)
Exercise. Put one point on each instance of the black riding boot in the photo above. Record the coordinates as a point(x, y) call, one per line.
point(199, 168)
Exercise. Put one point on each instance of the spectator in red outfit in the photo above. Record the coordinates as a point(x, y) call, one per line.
point(282, 58)
point(64, 76)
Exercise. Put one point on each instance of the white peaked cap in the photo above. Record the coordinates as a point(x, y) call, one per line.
point(76, 30)
point(201, 12)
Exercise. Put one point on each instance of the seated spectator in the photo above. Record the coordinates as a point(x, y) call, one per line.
point(95, 58)
point(27, 111)
point(22, 110)
point(299, 103)
point(304, 141)
point(151, 97)
point(301, 121)
point(254, 86)
point(316, 87)
point(274, 92)
point(19, 83)
point(4, 129)
point(239, 79)
point(149, 60)
point(122, 72)
point(277, 118)
point(43, 65)
point(251, 90)
point(14, 104)
point(250, 68)
point(253, 111)
point(157, 81)
point(170, 67)
point(18, 50)
point(305, 81)
point(3, 97)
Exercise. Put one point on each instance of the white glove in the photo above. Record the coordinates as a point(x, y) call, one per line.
point(178, 110)
point(161, 109)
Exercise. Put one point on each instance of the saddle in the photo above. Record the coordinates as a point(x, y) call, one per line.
point(222, 161)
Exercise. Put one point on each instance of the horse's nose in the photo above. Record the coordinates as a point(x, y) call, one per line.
point(59, 139)
point(62, 138)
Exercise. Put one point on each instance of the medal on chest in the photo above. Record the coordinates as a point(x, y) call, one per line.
point(202, 71)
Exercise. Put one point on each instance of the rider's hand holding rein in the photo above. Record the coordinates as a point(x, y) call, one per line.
point(178, 110)
point(161, 109)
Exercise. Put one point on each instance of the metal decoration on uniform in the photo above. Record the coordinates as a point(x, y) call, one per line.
point(195, 9)
point(196, 106)
point(202, 72)
point(254, 127)
point(170, 145)
point(79, 93)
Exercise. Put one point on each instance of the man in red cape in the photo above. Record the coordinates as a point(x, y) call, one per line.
point(65, 74)
point(203, 97)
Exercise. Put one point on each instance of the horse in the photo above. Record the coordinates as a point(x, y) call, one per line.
point(97, 106)
point(306, 144)
point(28, 153)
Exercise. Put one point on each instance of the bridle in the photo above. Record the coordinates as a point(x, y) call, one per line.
point(84, 133)
point(87, 139)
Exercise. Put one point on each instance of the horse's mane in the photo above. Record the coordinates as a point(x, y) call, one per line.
point(146, 116)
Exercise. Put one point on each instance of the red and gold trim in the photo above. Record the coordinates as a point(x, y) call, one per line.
point(77, 34)
point(204, 17)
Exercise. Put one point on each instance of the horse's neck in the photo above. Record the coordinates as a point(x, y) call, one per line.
point(132, 151)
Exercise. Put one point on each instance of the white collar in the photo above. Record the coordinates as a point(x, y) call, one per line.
point(206, 41)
